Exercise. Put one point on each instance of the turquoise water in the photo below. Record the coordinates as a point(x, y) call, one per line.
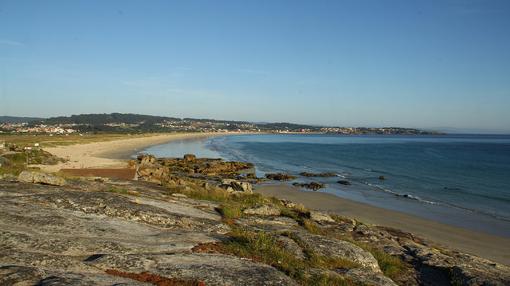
point(461, 180)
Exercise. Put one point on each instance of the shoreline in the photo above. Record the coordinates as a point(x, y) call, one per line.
point(113, 154)
point(484, 245)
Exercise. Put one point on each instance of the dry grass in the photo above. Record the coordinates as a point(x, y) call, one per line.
point(230, 211)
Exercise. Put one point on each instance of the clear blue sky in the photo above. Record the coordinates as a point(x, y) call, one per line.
point(363, 63)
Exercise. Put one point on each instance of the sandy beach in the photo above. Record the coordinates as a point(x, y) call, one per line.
point(111, 154)
point(484, 245)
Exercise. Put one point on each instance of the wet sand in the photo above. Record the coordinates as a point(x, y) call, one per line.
point(484, 245)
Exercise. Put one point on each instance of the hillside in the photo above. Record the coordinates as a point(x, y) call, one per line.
point(138, 123)
point(16, 119)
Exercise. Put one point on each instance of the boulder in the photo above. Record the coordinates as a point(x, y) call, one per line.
point(41, 178)
point(236, 186)
point(189, 157)
point(144, 159)
point(289, 204)
point(264, 210)
point(153, 173)
point(320, 217)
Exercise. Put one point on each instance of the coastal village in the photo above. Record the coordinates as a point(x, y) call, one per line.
point(132, 123)
point(24, 128)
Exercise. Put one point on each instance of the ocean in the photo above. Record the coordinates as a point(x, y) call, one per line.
point(461, 180)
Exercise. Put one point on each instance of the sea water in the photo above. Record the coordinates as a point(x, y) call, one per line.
point(462, 180)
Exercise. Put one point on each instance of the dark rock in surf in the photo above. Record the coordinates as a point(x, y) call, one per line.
point(344, 182)
point(326, 174)
point(280, 177)
point(312, 185)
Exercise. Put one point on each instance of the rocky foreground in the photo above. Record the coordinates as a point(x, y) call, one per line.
point(196, 222)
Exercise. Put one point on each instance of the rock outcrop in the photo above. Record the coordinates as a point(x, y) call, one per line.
point(264, 210)
point(320, 217)
point(41, 178)
point(339, 249)
point(74, 235)
point(233, 186)
point(173, 170)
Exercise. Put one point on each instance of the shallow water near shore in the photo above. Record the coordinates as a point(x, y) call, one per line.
point(461, 180)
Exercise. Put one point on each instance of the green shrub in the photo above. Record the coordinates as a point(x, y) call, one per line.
point(312, 227)
point(390, 265)
point(213, 194)
point(230, 211)
point(263, 247)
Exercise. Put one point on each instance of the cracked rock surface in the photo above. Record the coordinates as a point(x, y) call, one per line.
point(71, 235)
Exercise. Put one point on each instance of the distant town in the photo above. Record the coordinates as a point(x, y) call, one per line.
point(135, 123)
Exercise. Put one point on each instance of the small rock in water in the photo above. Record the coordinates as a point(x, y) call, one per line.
point(312, 186)
point(326, 174)
point(382, 178)
point(280, 177)
point(344, 182)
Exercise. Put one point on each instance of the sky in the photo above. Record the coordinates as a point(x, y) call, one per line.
point(424, 64)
